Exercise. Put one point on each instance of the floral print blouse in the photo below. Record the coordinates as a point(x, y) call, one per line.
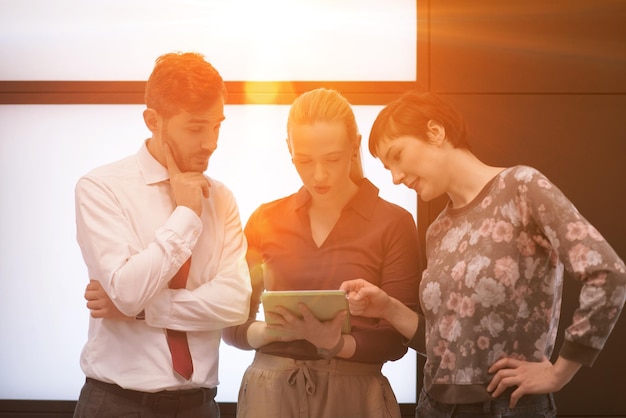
point(493, 283)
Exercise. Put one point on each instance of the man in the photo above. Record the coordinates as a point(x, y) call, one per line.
point(166, 246)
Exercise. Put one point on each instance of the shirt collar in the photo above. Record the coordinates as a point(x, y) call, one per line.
point(152, 170)
point(363, 202)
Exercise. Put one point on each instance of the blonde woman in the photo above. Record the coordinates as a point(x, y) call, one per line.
point(334, 228)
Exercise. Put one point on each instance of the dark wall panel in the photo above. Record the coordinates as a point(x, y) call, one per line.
point(544, 84)
point(528, 46)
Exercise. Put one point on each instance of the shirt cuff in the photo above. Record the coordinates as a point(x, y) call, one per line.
point(237, 336)
point(185, 224)
point(579, 353)
point(158, 311)
point(418, 341)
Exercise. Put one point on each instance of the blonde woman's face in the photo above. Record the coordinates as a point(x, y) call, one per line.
point(322, 154)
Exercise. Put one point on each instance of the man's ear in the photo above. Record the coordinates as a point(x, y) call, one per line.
point(151, 119)
point(289, 147)
point(436, 132)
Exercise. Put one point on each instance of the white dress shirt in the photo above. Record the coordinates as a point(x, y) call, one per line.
point(133, 240)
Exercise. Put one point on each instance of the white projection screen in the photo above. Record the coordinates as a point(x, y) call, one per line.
point(45, 148)
point(248, 40)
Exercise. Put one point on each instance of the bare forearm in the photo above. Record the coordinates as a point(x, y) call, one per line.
point(403, 319)
point(257, 337)
point(564, 371)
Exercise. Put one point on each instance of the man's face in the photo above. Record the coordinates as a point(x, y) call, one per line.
point(192, 137)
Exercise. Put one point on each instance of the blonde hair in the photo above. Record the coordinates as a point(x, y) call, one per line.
point(327, 105)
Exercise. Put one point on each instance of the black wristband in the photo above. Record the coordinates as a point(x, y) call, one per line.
point(332, 352)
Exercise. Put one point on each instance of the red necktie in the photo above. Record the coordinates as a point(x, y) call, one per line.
point(177, 340)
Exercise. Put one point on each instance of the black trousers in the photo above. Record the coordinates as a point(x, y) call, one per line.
point(99, 400)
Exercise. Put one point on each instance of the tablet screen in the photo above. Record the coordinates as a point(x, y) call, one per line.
point(324, 304)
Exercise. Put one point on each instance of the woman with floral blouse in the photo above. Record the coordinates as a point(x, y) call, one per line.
point(491, 293)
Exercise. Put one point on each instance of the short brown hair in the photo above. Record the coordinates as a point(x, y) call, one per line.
point(183, 81)
point(409, 115)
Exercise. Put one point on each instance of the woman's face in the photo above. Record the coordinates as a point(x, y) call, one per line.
point(416, 163)
point(322, 154)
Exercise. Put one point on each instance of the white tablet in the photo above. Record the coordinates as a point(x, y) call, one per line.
point(324, 304)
